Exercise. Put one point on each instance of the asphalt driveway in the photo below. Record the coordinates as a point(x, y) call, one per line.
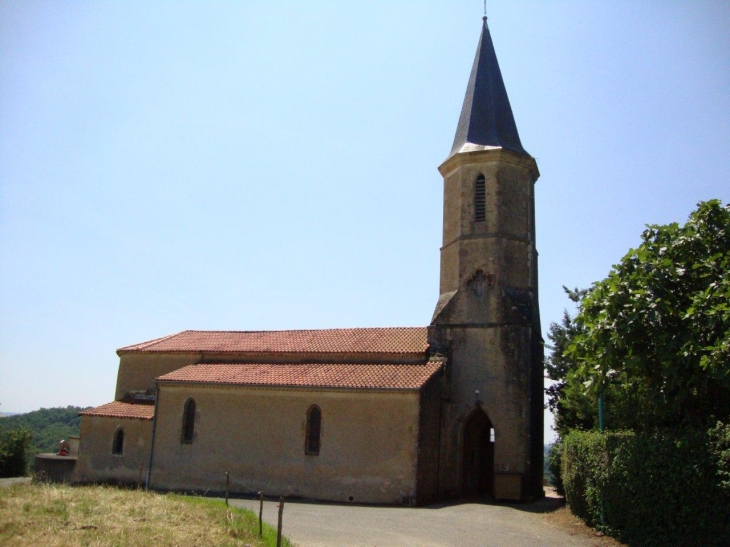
point(457, 525)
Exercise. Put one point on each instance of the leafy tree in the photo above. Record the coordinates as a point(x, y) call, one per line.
point(655, 334)
point(14, 445)
point(554, 463)
point(572, 407)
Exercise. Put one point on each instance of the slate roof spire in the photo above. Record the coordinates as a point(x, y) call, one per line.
point(486, 119)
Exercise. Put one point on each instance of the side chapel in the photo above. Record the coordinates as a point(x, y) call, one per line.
point(369, 415)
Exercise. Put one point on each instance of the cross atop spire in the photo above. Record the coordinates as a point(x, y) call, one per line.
point(486, 119)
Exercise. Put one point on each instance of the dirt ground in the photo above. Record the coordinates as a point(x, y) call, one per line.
point(564, 520)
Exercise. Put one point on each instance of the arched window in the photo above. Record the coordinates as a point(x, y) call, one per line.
point(118, 444)
point(314, 430)
point(480, 200)
point(188, 422)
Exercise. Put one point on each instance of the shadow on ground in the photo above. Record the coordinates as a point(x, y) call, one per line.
point(550, 503)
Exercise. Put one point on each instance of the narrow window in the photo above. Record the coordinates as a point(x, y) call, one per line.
point(188, 425)
point(118, 444)
point(314, 430)
point(480, 200)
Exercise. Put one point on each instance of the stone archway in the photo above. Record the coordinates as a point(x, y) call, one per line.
point(477, 477)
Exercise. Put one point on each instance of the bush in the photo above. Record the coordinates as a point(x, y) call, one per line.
point(668, 488)
point(14, 446)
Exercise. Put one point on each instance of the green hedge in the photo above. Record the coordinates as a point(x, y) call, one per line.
point(666, 488)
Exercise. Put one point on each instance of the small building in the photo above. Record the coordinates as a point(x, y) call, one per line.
point(370, 415)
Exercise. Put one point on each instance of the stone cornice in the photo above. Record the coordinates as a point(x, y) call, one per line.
point(489, 235)
point(485, 154)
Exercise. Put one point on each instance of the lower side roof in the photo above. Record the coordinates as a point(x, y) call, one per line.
point(325, 375)
point(142, 409)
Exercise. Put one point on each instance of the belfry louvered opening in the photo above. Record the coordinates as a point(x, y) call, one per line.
point(480, 200)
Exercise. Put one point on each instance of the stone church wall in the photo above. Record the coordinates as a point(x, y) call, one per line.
point(429, 442)
point(97, 464)
point(137, 371)
point(368, 444)
point(487, 321)
point(479, 363)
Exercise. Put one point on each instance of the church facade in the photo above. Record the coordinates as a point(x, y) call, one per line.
point(372, 415)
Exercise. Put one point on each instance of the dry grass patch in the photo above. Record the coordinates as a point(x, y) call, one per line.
point(100, 516)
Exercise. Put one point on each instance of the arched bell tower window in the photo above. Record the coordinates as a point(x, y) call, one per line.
point(188, 424)
point(480, 200)
point(314, 430)
point(118, 443)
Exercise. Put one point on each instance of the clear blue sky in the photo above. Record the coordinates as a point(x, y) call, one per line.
point(272, 165)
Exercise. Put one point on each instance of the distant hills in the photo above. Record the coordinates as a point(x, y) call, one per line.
point(47, 425)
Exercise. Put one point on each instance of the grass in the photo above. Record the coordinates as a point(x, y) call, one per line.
point(104, 516)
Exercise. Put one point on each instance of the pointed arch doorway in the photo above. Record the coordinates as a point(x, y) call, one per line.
point(478, 457)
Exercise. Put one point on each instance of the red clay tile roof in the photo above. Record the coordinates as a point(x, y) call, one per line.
point(368, 340)
point(126, 408)
point(379, 376)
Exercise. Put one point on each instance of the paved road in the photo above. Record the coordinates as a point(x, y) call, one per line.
point(457, 525)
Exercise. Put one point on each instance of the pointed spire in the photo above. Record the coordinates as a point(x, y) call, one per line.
point(486, 119)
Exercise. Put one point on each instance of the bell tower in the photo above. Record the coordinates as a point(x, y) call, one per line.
point(487, 319)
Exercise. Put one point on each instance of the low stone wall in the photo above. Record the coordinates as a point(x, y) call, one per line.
point(54, 468)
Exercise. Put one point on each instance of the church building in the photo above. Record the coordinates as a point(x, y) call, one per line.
point(366, 415)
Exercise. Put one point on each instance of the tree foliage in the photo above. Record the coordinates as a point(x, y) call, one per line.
point(571, 406)
point(14, 452)
point(654, 336)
